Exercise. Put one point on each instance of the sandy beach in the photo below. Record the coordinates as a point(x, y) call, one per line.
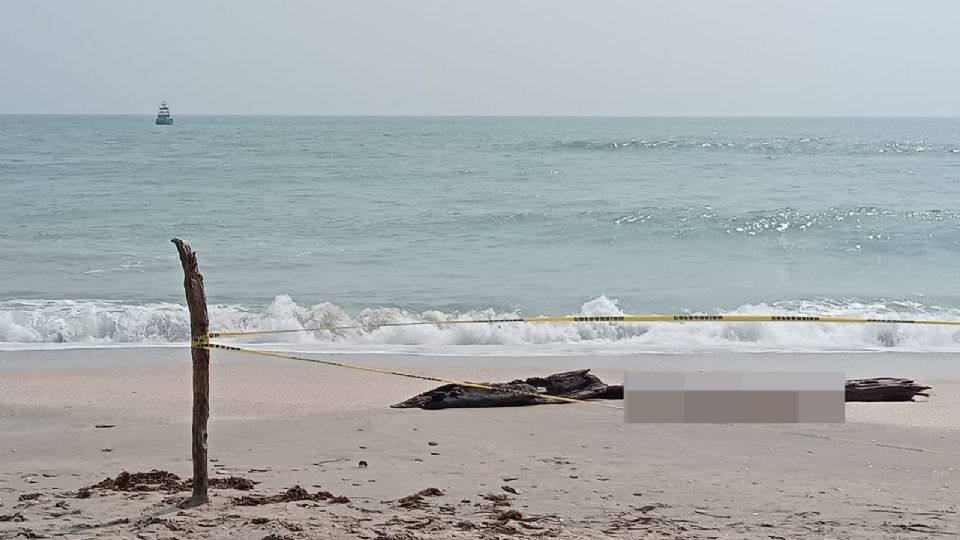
point(564, 471)
point(723, 211)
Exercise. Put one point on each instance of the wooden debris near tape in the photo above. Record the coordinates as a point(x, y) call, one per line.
point(581, 384)
point(884, 389)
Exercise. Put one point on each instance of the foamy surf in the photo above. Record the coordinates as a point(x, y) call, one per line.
point(52, 324)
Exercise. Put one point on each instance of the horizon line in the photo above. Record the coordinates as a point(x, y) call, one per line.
point(363, 115)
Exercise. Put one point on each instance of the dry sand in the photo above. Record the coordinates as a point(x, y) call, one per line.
point(893, 470)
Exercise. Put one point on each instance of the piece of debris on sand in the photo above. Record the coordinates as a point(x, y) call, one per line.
point(164, 481)
point(496, 498)
point(578, 384)
point(231, 482)
point(296, 493)
point(416, 501)
point(884, 389)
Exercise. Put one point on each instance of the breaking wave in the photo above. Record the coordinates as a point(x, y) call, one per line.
point(72, 323)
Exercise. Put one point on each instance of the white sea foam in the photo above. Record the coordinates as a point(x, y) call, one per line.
point(73, 323)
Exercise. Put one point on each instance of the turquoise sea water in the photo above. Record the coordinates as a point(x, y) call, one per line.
point(314, 220)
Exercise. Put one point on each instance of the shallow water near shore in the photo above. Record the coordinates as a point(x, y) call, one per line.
point(309, 221)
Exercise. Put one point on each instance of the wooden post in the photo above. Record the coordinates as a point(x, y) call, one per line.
point(199, 327)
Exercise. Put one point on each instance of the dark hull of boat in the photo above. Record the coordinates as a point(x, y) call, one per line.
point(164, 121)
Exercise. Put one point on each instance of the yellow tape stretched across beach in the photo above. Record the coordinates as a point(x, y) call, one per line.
point(608, 319)
point(204, 343)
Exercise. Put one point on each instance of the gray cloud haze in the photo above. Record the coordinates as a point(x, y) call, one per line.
point(448, 57)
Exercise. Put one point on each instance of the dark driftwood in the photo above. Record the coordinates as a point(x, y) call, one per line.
point(581, 384)
point(578, 384)
point(199, 327)
point(884, 389)
point(451, 396)
point(614, 391)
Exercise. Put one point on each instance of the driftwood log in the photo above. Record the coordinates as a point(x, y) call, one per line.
point(884, 389)
point(578, 384)
point(451, 396)
point(581, 384)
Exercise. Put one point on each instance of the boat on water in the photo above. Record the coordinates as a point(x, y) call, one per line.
point(163, 116)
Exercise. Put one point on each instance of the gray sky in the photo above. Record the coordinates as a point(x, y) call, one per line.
point(449, 57)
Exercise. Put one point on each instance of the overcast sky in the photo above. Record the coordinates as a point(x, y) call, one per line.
point(489, 57)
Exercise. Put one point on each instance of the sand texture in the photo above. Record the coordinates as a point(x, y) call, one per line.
point(552, 471)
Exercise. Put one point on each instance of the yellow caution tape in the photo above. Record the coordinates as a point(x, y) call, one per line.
point(204, 342)
point(608, 319)
point(201, 343)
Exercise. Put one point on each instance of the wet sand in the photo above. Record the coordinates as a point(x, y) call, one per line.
point(892, 470)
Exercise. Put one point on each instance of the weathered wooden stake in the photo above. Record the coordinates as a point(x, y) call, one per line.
point(199, 327)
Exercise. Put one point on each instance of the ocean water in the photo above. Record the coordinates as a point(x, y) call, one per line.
point(311, 221)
